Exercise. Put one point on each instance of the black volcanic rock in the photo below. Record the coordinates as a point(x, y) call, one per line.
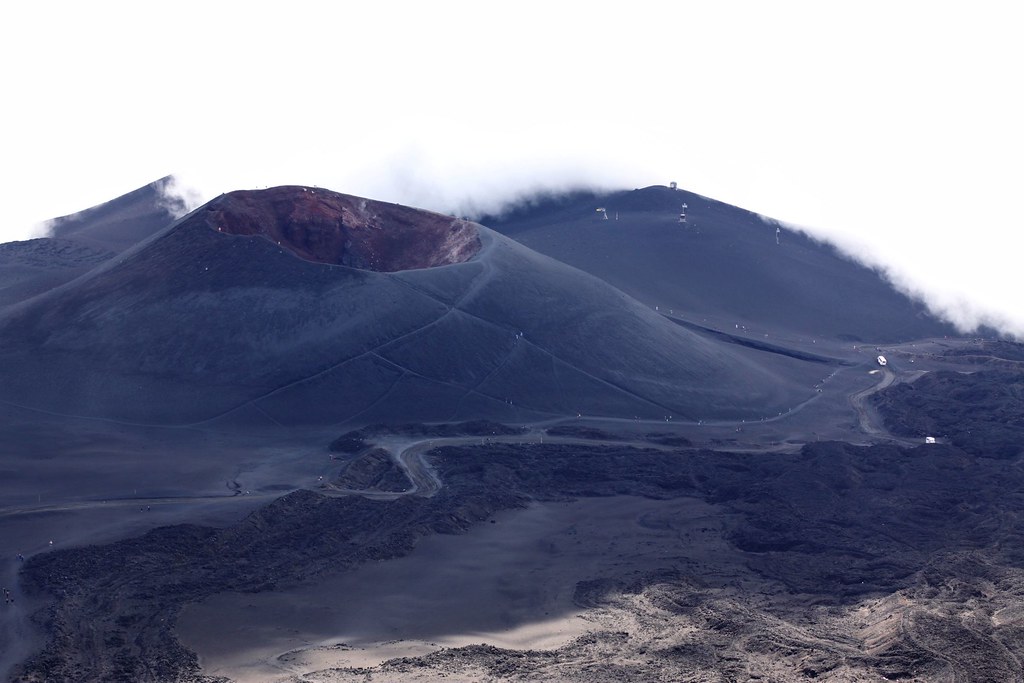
point(819, 533)
point(724, 264)
point(981, 412)
point(375, 469)
point(150, 577)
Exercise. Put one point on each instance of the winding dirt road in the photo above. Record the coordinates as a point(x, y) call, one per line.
point(869, 419)
point(411, 456)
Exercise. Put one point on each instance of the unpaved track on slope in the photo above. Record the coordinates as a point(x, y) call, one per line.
point(411, 456)
point(870, 422)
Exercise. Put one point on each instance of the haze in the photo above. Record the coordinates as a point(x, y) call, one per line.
point(892, 130)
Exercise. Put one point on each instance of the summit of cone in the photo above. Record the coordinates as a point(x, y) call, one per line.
point(333, 228)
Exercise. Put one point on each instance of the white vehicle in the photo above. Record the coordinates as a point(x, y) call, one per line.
point(882, 361)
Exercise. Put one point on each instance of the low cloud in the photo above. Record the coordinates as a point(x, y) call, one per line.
point(962, 281)
point(958, 268)
point(177, 198)
point(906, 155)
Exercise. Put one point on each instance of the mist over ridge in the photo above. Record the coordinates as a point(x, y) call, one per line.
point(959, 278)
point(953, 275)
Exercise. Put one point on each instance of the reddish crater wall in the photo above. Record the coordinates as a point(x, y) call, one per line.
point(328, 227)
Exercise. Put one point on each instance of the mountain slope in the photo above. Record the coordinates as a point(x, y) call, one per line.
point(724, 264)
point(81, 241)
point(122, 222)
point(241, 311)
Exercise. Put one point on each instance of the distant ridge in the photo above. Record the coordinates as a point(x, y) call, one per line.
point(124, 221)
point(80, 241)
point(723, 266)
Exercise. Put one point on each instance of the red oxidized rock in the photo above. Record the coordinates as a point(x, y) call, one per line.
point(328, 227)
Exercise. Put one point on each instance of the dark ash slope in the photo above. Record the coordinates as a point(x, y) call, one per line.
point(723, 263)
point(81, 241)
point(238, 312)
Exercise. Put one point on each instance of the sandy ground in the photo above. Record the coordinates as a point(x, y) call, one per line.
point(508, 584)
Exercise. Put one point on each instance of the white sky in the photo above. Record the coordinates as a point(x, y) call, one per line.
point(892, 128)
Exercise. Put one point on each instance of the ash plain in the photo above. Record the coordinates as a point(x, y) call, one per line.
point(829, 543)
